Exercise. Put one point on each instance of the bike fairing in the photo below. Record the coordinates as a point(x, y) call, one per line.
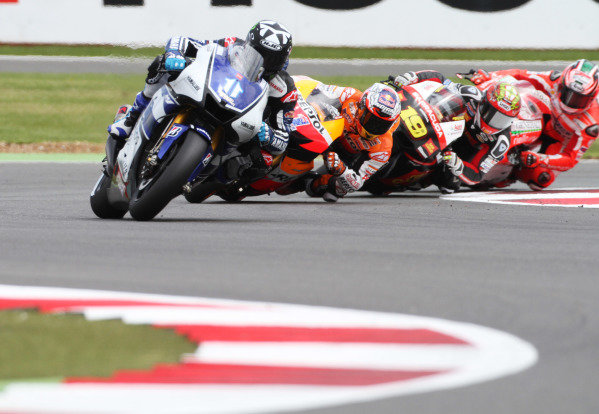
point(282, 91)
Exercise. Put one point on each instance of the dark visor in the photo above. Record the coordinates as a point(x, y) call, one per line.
point(573, 99)
point(373, 124)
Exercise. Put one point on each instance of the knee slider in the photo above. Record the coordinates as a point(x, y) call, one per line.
point(543, 180)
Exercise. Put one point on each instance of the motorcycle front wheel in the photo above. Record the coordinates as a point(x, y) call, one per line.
point(167, 183)
point(100, 204)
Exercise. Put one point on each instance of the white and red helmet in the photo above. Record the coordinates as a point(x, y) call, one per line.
point(578, 86)
point(378, 109)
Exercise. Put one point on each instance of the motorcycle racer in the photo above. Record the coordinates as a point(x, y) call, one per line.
point(486, 139)
point(572, 126)
point(270, 39)
point(365, 146)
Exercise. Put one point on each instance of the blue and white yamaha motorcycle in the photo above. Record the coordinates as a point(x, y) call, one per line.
point(195, 127)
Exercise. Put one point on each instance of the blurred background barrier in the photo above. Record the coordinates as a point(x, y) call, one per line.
point(363, 23)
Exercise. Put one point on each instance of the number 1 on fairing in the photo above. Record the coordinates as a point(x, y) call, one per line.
point(233, 88)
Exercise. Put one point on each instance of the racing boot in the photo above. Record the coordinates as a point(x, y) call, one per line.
point(323, 186)
point(122, 127)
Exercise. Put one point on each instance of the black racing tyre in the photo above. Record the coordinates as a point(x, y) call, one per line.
point(232, 193)
point(150, 201)
point(100, 204)
point(203, 191)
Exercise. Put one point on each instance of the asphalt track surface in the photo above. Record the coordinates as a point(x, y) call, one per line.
point(312, 67)
point(527, 270)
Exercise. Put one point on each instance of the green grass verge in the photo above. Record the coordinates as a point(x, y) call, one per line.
point(78, 107)
point(50, 157)
point(59, 107)
point(325, 52)
point(53, 346)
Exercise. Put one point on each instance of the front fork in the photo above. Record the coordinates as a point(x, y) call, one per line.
point(163, 104)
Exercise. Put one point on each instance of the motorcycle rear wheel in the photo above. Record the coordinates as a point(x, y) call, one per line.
point(150, 201)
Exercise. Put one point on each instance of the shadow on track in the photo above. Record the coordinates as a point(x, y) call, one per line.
point(397, 195)
point(178, 219)
point(290, 203)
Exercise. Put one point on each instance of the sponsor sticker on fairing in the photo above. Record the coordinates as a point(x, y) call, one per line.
point(247, 126)
point(313, 117)
point(487, 164)
point(299, 120)
point(207, 159)
point(430, 148)
point(193, 83)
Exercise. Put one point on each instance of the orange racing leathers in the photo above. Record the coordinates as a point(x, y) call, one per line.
point(565, 136)
point(364, 156)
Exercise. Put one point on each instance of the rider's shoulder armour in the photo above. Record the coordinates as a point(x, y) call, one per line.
point(282, 86)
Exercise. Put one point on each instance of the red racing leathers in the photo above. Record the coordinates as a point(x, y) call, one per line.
point(565, 136)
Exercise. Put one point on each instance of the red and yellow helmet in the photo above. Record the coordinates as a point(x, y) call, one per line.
point(578, 86)
point(378, 109)
point(497, 109)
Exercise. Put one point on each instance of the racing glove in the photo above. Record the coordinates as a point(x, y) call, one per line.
point(453, 163)
point(174, 60)
point(272, 140)
point(347, 182)
point(531, 159)
point(333, 163)
point(407, 78)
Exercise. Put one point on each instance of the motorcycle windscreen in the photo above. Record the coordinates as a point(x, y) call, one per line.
point(231, 77)
point(328, 108)
point(447, 105)
point(247, 61)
